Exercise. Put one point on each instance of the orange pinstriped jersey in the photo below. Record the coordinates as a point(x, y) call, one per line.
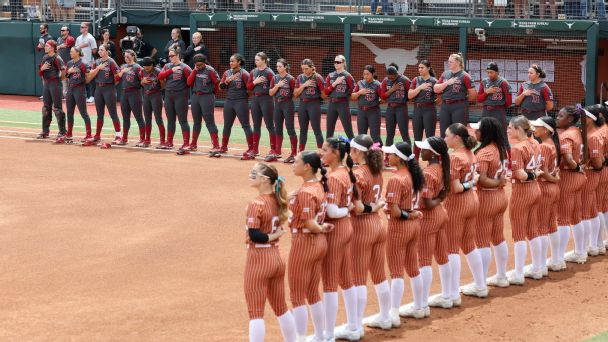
point(548, 157)
point(488, 161)
point(524, 156)
point(595, 145)
point(571, 141)
point(309, 202)
point(369, 186)
point(463, 165)
point(433, 182)
point(399, 190)
point(340, 188)
point(262, 214)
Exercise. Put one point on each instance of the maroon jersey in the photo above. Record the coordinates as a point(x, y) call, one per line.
point(501, 98)
point(535, 102)
point(371, 99)
point(204, 81)
point(131, 78)
point(153, 76)
point(399, 96)
point(106, 75)
point(77, 78)
point(285, 93)
point(342, 90)
point(312, 92)
point(56, 65)
point(260, 88)
point(237, 89)
point(424, 96)
point(175, 80)
point(458, 90)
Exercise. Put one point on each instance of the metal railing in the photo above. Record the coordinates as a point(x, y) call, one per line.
point(56, 10)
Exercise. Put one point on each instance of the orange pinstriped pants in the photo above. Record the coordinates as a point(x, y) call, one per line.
point(432, 240)
point(462, 212)
point(548, 207)
point(337, 264)
point(402, 247)
point(523, 210)
point(304, 267)
point(368, 248)
point(490, 224)
point(590, 205)
point(264, 278)
point(569, 204)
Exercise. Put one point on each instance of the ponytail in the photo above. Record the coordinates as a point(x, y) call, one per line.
point(460, 130)
point(373, 157)
point(412, 165)
point(280, 192)
point(441, 147)
point(342, 145)
point(314, 160)
point(324, 178)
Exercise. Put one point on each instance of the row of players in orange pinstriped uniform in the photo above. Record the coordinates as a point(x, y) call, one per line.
point(455, 204)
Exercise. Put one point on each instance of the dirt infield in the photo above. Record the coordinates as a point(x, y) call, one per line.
point(130, 245)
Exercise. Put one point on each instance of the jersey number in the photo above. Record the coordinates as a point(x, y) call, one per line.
point(321, 215)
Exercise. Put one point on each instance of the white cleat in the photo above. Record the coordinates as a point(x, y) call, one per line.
point(457, 301)
point(347, 334)
point(497, 281)
point(377, 323)
point(591, 251)
point(437, 301)
point(393, 314)
point(314, 339)
point(472, 290)
point(530, 272)
point(606, 243)
point(427, 312)
point(514, 279)
point(575, 257)
point(410, 311)
point(362, 332)
point(601, 250)
point(545, 271)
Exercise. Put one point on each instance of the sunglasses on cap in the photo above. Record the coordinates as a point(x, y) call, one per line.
point(63, 30)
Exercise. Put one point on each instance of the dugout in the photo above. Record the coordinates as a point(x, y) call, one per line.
point(572, 52)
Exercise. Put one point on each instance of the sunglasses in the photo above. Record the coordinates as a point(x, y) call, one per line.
point(172, 56)
point(338, 62)
point(254, 175)
point(83, 27)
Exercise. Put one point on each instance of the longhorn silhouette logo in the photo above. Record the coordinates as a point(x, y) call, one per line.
point(569, 25)
point(342, 18)
point(211, 16)
point(401, 57)
point(274, 17)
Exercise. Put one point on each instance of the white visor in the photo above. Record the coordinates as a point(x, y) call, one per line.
point(394, 150)
point(474, 125)
point(590, 115)
point(540, 123)
point(359, 147)
point(424, 145)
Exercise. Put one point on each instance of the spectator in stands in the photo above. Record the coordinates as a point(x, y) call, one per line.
point(86, 42)
point(257, 4)
point(105, 39)
point(497, 7)
point(521, 8)
point(195, 48)
point(67, 10)
point(542, 7)
point(55, 9)
point(143, 48)
point(64, 44)
point(400, 7)
point(174, 42)
point(44, 37)
point(383, 9)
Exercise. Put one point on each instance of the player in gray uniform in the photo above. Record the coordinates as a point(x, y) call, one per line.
point(308, 87)
point(534, 97)
point(234, 81)
point(176, 97)
point(261, 101)
point(339, 86)
point(51, 70)
point(425, 112)
point(281, 87)
point(394, 90)
point(204, 81)
point(103, 72)
point(495, 95)
point(153, 101)
point(130, 76)
point(456, 89)
point(367, 95)
point(76, 73)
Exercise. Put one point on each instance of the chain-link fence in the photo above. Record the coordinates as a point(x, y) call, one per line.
point(56, 10)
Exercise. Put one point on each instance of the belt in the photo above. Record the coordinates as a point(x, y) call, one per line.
point(76, 85)
point(301, 231)
point(368, 108)
point(453, 101)
point(150, 92)
point(104, 84)
point(493, 107)
point(261, 94)
point(131, 89)
point(262, 245)
point(425, 104)
point(201, 93)
point(175, 90)
point(527, 111)
point(310, 100)
point(279, 99)
point(395, 104)
point(338, 99)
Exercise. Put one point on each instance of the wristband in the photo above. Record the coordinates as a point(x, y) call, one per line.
point(578, 168)
point(367, 208)
point(404, 215)
point(531, 176)
point(466, 186)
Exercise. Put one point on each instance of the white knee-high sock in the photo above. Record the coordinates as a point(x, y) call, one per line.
point(544, 250)
point(476, 267)
point(445, 276)
point(397, 286)
point(454, 275)
point(300, 316)
point(520, 257)
point(595, 231)
point(417, 289)
point(288, 326)
point(330, 301)
point(317, 313)
point(535, 250)
point(564, 237)
point(383, 292)
point(587, 230)
point(427, 278)
point(256, 330)
point(361, 303)
point(554, 239)
point(578, 231)
point(486, 258)
point(602, 234)
point(350, 303)
point(501, 255)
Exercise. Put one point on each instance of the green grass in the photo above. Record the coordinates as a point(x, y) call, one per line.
point(603, 337)
point(32, 120)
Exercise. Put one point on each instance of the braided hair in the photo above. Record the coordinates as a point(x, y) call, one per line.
point(314, 160)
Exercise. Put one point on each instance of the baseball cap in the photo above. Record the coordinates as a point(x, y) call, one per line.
point(147, 61)
point(492, 66)
point(394, 150)
point(541, 123)
point(391, 70)
point(424, 145)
